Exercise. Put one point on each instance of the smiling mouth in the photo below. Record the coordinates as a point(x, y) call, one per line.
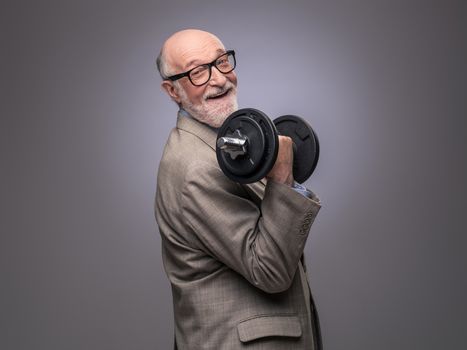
point(219, 96)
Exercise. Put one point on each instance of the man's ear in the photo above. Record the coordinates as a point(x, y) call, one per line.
point(169, 87)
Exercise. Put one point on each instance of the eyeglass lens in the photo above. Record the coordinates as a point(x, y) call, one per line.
point(200, 75)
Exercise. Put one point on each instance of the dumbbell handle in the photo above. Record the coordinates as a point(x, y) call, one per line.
point(234, 146)
point(237, 146)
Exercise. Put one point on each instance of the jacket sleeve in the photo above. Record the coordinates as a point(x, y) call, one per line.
point(263, 244)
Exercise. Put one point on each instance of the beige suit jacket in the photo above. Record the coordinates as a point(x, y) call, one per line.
point(232, 252)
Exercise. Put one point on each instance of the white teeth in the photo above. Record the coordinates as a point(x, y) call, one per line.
point(221, 94)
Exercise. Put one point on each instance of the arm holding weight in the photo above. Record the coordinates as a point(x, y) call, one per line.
point(262, 244)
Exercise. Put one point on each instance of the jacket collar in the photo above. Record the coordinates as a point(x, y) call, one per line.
point(189, 124)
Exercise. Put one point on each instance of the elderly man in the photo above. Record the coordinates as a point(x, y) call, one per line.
point(233, 253)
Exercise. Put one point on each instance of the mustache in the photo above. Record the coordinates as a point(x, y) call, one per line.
point(218, 91)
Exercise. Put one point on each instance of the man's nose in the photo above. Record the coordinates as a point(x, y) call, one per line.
point(217, 78)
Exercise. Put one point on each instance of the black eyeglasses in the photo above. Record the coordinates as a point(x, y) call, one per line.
point(200, 75)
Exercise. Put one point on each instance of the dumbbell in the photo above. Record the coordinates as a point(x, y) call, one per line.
point(247, 145)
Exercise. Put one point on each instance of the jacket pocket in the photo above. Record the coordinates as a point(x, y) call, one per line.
point(269, 325)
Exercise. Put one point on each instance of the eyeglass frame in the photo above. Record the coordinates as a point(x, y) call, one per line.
point(210, 65)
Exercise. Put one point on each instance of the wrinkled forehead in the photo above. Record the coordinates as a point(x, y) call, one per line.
point(186, 51)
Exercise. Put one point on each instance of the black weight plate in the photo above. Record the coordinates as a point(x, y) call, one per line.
point(247, 164)
point(307, 145)
point(262, 146)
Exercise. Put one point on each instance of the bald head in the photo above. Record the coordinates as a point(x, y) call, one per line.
point(181, 44)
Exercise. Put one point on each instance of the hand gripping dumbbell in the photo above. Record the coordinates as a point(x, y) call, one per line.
point(248, 143)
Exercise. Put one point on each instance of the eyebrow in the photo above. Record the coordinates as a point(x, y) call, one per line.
point(198, 62)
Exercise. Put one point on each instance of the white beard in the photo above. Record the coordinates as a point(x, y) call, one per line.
point(210, 111)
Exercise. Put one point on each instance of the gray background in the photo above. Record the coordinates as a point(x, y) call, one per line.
point(84, 122)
